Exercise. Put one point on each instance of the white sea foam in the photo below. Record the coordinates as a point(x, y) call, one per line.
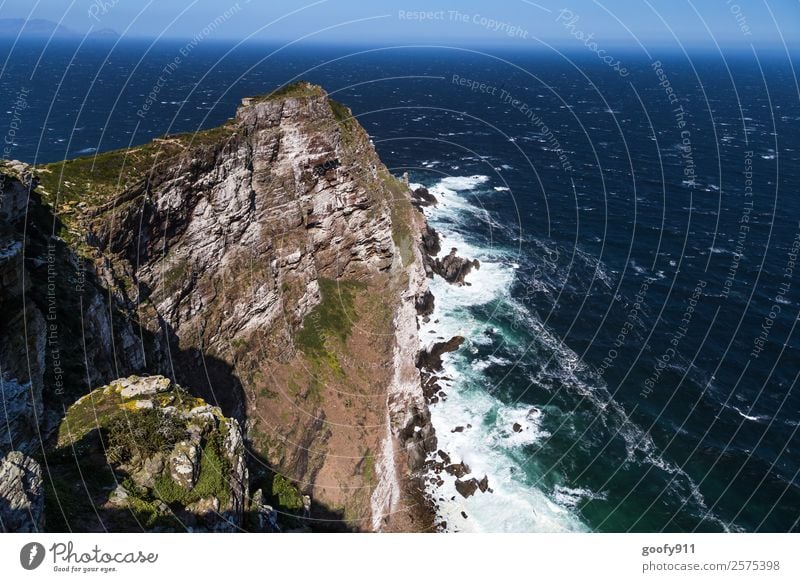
point(483, 444)
point(462, 183)
point(512, 505)
point(572, 497)
point(488, 440)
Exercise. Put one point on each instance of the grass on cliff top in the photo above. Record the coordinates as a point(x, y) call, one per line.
point(297, 89)
point(103, 410)
point(98, 179)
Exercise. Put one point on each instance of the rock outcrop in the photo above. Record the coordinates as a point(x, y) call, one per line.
point(431, 359)
point(21, 494)
point(454, 269)
point(173, 462)
point(51, 297)
point(421, 198)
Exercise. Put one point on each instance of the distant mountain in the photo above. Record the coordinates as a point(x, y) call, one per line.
point(104, 33)
point(41, 28)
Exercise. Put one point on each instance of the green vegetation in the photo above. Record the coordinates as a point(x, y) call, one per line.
point(401, 216)
point(103, 434)
point(143, 434)
point(287, 494)
point(340, 112)
point(333, 317)
point(93, 411)
point(206, 137)
point(101, 178)
point(145, 512)
point(211, 482)
point(267, 393)
point(174, 276)
point(368, 470)
point(296, 89)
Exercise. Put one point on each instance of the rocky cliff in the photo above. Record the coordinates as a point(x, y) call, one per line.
point(272, 266)
point(143, 453)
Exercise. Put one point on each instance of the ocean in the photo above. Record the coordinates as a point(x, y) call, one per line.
point(631, 359)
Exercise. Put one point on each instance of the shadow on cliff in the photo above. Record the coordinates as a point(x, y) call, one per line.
point(320, 518)
point(204, 375)
point(79, 481)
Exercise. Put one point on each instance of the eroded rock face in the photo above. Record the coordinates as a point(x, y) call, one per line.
point(265, 516)
point(23, 327)
point(41, 297)
point(21, 494)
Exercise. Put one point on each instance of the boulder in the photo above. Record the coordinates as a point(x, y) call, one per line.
point(467, 488)
point(431, 359)
point(204, 506)
point(135, 386)
point(483, 484)
point(421, 197)
point(150, 468)
point(184, 464)
point(424, 303)
point(457, 469)
point(453, 268)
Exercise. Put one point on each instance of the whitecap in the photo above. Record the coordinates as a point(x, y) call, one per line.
point(573, 496)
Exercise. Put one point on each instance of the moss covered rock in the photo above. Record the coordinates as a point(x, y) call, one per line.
point(176, 462)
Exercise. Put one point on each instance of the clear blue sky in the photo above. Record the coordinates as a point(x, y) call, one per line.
point(733, 23)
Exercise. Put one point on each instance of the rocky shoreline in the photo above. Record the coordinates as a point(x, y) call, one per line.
point(414, 389)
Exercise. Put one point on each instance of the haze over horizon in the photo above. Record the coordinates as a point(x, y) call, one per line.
point(517, 23)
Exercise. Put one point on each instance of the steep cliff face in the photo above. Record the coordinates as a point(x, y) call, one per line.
point(273, 266)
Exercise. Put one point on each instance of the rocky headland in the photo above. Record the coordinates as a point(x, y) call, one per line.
point(218, 332)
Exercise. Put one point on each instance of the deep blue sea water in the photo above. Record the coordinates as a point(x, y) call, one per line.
point(636, 305)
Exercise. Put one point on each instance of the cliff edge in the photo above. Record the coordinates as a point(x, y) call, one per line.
point(271, 265)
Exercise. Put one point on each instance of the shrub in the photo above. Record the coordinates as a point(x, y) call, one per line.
point(287, 494)
point(144, 433)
